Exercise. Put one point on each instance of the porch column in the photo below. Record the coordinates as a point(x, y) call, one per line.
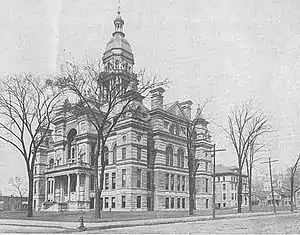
point(77, 186)
point(87, 187)
point(69, 183)
point(46, 190)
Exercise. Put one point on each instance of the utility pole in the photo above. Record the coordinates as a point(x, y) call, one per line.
point(293, 172)
point(214, 178)
point(272, 190)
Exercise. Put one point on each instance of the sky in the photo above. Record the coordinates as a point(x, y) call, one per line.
point(226, 49)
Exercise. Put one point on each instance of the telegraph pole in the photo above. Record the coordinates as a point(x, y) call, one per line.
point(214, 178)
point(272, 190)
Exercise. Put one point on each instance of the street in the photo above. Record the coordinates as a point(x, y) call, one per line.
point(281, 223)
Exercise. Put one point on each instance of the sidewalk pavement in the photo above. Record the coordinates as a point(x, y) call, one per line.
point(72, 226)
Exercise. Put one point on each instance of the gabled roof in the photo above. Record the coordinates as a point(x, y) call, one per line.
point(175, 109)
point(260, 194)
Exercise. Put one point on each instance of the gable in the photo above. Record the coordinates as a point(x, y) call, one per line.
point(176, 110)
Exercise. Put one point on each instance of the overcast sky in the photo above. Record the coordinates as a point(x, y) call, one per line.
point(227, 49)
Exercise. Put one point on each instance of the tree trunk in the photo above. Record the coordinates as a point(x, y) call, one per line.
point(191, 195)
point(97, 191)
point(240, 190)
point(250, 196)
point(292, 194)
point(30, 194)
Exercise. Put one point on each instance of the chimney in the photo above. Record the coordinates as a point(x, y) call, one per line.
point(186, 107)
point(157, 98)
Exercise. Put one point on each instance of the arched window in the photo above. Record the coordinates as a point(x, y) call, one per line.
point(180, 158)
point(71, 144)
point(106, 153)
point(115, 154)
point(169, 156)
point(51, 162)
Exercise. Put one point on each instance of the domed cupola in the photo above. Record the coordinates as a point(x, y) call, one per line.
point(118, 47)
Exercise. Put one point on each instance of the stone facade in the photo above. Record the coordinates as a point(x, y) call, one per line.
point(146, 154)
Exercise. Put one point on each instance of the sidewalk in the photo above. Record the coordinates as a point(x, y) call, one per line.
point(72, 226)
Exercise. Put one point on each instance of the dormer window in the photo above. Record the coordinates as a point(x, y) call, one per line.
point(171, 129)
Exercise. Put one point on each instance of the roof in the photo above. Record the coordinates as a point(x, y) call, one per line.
point(227, 170)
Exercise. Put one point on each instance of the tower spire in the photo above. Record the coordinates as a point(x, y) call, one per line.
point(119, 7)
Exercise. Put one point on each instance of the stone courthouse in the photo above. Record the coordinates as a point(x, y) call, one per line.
point(146, 154)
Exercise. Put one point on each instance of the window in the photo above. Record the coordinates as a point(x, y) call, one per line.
point(124, 153)
point(183, 203)
point(167, 203)
point(232, 196)
point(115, 154)
point(206, 203)
point(49, 186)
point(148, 180)
point(206, 185)
point(106, 180)
point(113, 180)
point(224, 204)
point(113, 202)
point(35, 170)
point(51, 163)
point(71, 143)
point(178, 202)
point(138, 201)
point(167, 181)
point(224, 196)
point(177, 129)
point(223, 178)
point(106, 154)
point(138, 178)
point(169, 156)
point(106, 202)
point(171, 129)
point(183, 183)
point(180, 158)
point(139, 154)
point(123, 201)
point(224, 186)
point(172, 182)
point(232, 186)
point(178, 182)
point(35, 187)
point(92, 182)
point(219, 179)
point(123, 178)
point(206, 166)
point(93, 151)
point(172, 202)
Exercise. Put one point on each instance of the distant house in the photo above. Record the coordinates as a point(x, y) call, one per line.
point(297, 197)
point(281, 198)
point(227, 187)
point(11, 203)
point(259, 198)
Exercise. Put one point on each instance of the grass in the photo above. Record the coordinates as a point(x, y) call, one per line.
point(122, 216)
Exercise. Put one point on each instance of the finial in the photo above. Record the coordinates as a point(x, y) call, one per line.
point(119, 7)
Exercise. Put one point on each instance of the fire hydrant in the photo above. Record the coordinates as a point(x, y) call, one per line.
point(81, 226)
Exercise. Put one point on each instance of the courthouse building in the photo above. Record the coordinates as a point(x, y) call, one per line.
point(146, 153)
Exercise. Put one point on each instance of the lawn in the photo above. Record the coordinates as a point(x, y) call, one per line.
point(122, 216)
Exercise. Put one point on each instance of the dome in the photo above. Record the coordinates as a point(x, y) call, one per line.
point(118, 42)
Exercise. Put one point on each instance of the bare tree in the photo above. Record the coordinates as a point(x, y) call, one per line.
point(18, 183)
point(292, 178)
point(105, 96)
point(193, 164)
point(250, 160)
point(245, 124)
point(26, 111)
